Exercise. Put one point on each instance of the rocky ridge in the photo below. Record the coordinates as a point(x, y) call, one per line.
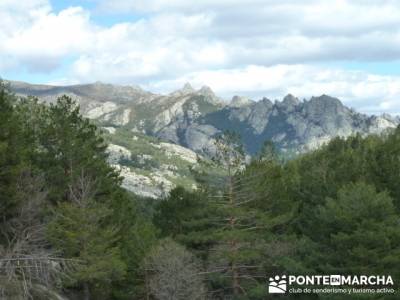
point(186, 121)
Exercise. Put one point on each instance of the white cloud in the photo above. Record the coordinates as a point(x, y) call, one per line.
point(256, 47)
point(363, 91)
point(303, 30)
point(50, 38)
point(35, 38)
point(309, 17)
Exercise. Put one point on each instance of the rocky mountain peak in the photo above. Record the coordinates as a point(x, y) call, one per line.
point(289, 99)
point(186, 89)
point(192, 118)
point(209, 96)
point(326, 100)
point(325, 104)
point(238, 101)
point(390, 118)
point(206, 91)
point(266, 102)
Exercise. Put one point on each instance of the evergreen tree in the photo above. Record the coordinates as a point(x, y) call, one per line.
point(187, 217)
point(11, 152)
point(80, 232)
point(70, 144)
point(384, 165)
point(358, 232)
point(234, 260)
point(137, 235)
point(268, 152)
point(334, 211)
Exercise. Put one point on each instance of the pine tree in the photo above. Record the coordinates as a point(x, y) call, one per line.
point(185, 217)
point(70, 144)
point(80, 231)
point(234, 260)
point(358, 232)
point(11, 152)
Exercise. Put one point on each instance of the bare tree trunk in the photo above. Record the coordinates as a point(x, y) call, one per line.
point(235, 271)
point(147, 285)
point(235, 281)
point(235, 274)
point(230, 156)
point(86, 291)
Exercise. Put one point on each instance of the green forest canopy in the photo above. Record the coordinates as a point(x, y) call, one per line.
point(331, 211)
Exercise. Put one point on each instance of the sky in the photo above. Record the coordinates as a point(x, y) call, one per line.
point(349, 49)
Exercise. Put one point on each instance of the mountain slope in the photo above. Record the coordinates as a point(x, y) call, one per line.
point(141, 125)
point(191, 117)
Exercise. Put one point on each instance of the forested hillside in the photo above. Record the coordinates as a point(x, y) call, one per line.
point(153, 138)
point(70, 231)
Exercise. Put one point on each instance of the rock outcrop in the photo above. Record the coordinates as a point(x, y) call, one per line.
point(187, 121)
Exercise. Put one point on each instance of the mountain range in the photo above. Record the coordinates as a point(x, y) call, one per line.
point(157, 137)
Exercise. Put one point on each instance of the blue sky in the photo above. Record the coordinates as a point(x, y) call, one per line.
point(346, 48)
point(99, 16)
